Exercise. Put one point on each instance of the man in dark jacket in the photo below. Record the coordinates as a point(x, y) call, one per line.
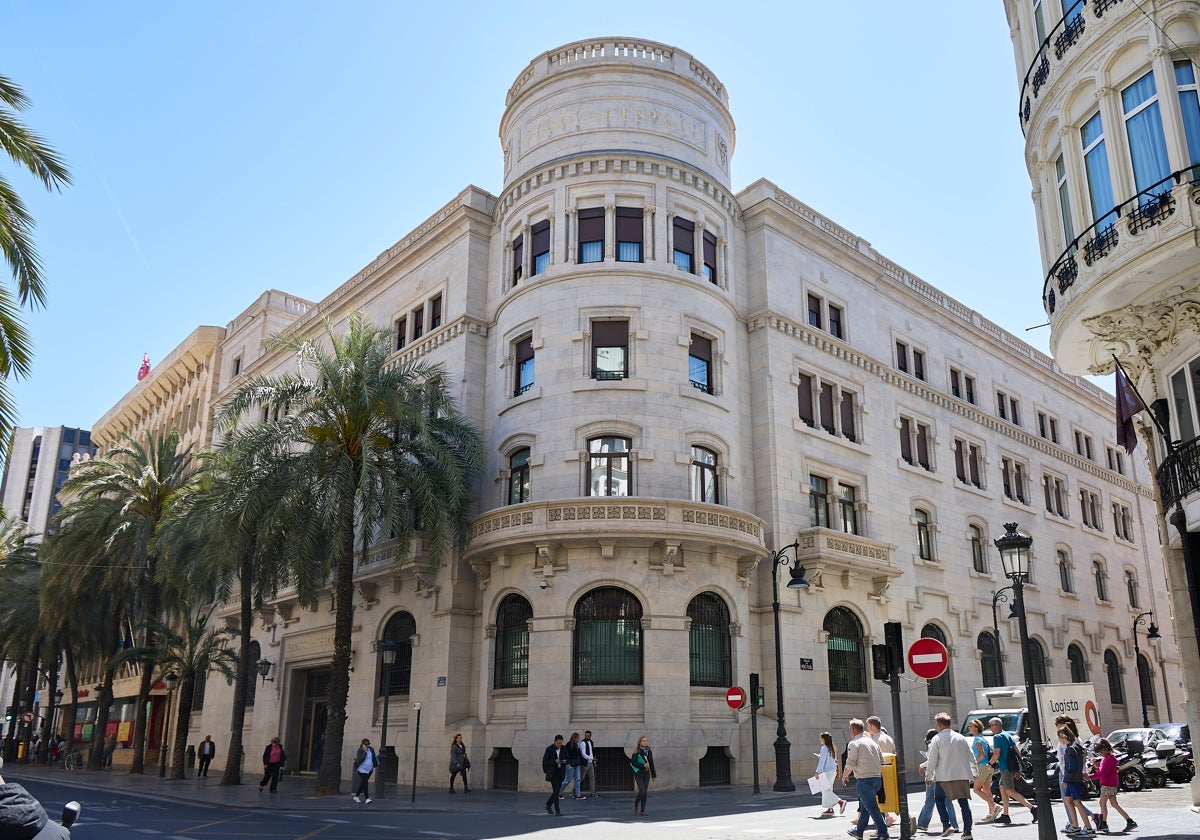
point(554, 760)
point(23, 818)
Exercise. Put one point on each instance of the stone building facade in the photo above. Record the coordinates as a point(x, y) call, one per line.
point(674, 381)
point(1109, 108)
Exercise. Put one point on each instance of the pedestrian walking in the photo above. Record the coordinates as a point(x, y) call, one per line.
point(930, 799)
point(273, 758)
point(206, 752)
point(365, 762)
point(1107, 777)
point(1072, 788)
point(554, 762)
point(588, 751)
point(827, 767)
point(951, 770)
point(1006, 758)
point(643, 772)
point(982, 751)
point(1059, 722)
point(459, 762)
point(110, 746)
point(865, 761)
point(574, 768)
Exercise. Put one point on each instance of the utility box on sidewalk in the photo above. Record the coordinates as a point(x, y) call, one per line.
point(891, 788)
point(390, 764)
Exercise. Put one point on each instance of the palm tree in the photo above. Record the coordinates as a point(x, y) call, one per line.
point(363, 447)
point(226, 529)
point(110, 528)
point(189, 653)
point(29, 152)
point(20, 639)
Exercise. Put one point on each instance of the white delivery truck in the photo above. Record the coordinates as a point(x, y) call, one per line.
point(1009, 703)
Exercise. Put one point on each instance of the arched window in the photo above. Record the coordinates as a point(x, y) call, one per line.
point(1064, 571)
point(1101, 580)
point(1116, 689)
point(518, 476)
point(1145, 683)
point(253, 656)
point(847, 664)
point(608, 638)
point(978, 557)
point(1078, 664)
point(989, 660)
point(512, 643)
point(1131, 587)
point(708, 641)
point(1037, 662)
point(704, 476)
point(939, 687)
point(924, 540)
point(400, 629)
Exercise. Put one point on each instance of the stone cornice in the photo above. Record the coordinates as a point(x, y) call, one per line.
point(840, 350)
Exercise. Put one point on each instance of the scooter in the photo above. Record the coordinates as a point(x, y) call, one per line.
point(1180, 767)
point(1130, 775)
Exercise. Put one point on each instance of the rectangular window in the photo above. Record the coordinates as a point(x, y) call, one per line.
point(608, 466)
point(906, 447)
point(804, 393)
point(629, 234)
point(902, 357)
point(1185, 81)
point(1095, 161)
point(846, 507)
point(969, 389)
point(610, 346)
point(955, 383)
point(1083, 446)
point(966, 462)
point(814, 312)
point(710, 257)
point(700, 363)
point(1182, 402)
point(1002, 405)
point(1147, 145)
point(1089, 508)
point(835, 321)
point(1055, 491)
point(847, 418)
point(918, 364)
point(518, 477)
point(914, 443)
point(237, 365)
point(401, 332)
point(1064, 200)
point(591, 234)
point(1013, 473)
point(1122, 521)
point(923, 447)
point(523, 352)
point(435, 312)
point(826, 404)
point(417, 317)
point(518, 259)
point(818, 501)
point(703, 476)
point(539, 236)
point(683, 242)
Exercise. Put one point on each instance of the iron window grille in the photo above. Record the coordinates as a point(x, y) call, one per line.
point(708, 641)
point(847, 664)
point(608, 638)
point(512, 643)
point(400, 629)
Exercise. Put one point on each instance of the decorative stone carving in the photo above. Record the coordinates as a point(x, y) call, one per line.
point(370, 594)
point(1136, 334)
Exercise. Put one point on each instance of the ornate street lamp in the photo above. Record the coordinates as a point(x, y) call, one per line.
point(783, 748)
point(264, 667)
point(998, 597)
point(1151, 635)
point(387, 652)
point(169, 679)
point(1015, 556)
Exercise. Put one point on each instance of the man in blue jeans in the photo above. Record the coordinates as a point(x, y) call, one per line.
point(865, 762)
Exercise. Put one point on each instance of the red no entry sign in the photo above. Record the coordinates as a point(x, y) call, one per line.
point(735, 697)
point(928, 658)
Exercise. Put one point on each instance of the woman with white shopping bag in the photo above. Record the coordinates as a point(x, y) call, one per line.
point(826, 772)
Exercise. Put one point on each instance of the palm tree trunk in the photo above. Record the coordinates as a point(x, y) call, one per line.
point(329, 779)
point(139, 717)
point(183, 722)
point(105, 698)
point(233, 759)
point(10, 743)
point(72, 692)
point(47, 721)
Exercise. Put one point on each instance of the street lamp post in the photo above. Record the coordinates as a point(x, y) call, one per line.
point(1015, 555)
point(783, 748)
point(1151, 635)
point(387, 652)
point(169, 679)
point(999, 597)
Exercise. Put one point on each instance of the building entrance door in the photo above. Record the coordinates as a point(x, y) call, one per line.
point(315, 707)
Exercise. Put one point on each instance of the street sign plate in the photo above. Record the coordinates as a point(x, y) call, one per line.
point(735, 697)
point(27, 717)
point(928, 658)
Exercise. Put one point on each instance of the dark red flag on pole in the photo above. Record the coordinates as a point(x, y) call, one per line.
point(1128, 405)
point(145, 368)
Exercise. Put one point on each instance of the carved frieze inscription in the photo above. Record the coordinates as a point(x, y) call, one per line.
point(623, 114)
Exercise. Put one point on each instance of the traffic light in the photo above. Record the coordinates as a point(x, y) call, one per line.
point(8, 712)
point(895, 642)
point(758, 695)
point(882, 665)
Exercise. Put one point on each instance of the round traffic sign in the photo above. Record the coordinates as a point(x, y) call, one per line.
point(27, 717)
point(928, 658)
point(735, 697)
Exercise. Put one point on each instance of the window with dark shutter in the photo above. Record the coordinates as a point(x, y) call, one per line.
point(591, 235)
point(683, 241)
point(848, 430)
point(906, 440)
point(539, 236)
point(710, 257)
point(804, 393)
point(629, 234)
point(827, 408)
point(524, 359)
point(610, 343)
point(700, 363)
point(435, 312)
point(518, 255)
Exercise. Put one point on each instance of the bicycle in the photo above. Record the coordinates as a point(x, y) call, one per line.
point(73, 760)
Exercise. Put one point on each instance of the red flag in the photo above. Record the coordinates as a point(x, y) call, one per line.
point(1128, 405)
point(145, 368)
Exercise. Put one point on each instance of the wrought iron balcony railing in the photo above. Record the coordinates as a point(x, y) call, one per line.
point(1179, 474)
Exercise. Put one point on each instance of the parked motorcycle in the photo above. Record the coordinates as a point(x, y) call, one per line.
point(1180, 766)
point(1130, 775)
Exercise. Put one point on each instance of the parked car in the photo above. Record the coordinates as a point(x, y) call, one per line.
point(1177, 732)
point(1148, 737)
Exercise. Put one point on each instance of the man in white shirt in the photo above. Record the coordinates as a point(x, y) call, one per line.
point(589, 762)
point(950, 767)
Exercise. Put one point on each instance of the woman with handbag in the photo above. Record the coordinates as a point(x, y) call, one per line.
point(643, 772)
point(365, 762)
point(459, 763)
point(827, 767)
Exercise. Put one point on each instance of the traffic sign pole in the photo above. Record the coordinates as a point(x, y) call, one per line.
point(894, 631)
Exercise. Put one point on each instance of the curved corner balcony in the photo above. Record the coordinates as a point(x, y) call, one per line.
point(1060, 46)
point(669, 530)
point(861, 564)
point(1178, 475)
point(1145, 242)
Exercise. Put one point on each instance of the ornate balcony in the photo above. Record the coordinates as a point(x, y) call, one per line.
point(826, 554)
point(1179, 474)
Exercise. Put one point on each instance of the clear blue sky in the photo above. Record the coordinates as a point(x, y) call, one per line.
point(222, 148)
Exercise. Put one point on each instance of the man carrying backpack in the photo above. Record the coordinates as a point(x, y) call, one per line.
point(1006, 758)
